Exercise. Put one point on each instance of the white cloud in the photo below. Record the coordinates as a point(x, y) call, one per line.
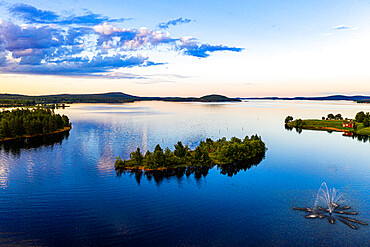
point(108, 29)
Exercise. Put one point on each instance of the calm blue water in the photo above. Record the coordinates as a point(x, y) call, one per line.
point(66, 191)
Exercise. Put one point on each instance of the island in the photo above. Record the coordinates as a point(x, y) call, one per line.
point(360, 125)
point(207, 154)
point(26, 123)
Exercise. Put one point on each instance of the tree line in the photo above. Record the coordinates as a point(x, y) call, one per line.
point(332, 117)
point(207, 153)
point(21, 122)
point(15, 103)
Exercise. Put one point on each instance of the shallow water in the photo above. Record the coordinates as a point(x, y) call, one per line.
point(65, 191)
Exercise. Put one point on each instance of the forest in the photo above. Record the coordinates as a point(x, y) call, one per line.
point(28, 122)
point(207, 153)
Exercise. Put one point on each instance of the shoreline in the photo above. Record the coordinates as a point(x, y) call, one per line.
point(328, 128)
point(36, 135)
point(143, 168)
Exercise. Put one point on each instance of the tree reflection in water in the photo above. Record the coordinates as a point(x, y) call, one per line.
point(15, 146)
point(360, 138)
point(199, 171)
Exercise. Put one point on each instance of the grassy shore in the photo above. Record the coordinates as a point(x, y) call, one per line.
point(334, 125)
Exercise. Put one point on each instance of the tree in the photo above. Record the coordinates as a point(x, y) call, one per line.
point(235, 140)
point(338, 116)
point(201, 156)
point(180, 151)
point(119, 163)
point(360, 117)
point(299, 123)
point(137, 157)
point(158, 148)
point(366, 122)
point(288, 119)
point(331, 116)
point(158, 156)
point(169, 158)
point(66, 121)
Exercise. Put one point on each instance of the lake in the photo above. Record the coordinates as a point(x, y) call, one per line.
point(64, 191)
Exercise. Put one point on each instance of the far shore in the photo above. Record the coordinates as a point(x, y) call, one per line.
point(37, 135)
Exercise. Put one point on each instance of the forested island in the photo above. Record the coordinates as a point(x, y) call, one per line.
point(208, 153)
point(114, 97)
point(20, 123)
point(360, 125)
point(364, 101)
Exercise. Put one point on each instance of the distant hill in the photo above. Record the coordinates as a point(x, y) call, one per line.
point(113, 97)
point(216, 98)
point(332, 97)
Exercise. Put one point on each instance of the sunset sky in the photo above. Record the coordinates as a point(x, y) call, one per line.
point(185, 48)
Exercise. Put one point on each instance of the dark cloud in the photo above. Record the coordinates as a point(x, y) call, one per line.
point(75, 35)
point(80, 67)
point(175, 22)
point(190, 47)
point(32, 15)
point(203, 50)
point(17, 38)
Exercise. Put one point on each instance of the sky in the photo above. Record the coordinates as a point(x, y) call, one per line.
point(185, 48)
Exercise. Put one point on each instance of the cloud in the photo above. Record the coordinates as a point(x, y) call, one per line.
point(87, 45)
point(341, 27)
point(32, 15)
point(190, 47)
point(338, 28)
point(175, 22)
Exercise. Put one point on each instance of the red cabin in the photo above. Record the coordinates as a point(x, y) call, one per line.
point(349, 124)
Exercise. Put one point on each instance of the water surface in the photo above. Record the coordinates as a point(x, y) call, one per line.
point(65, 191)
